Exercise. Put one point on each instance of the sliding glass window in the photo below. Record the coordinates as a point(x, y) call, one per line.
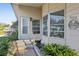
point(57, 24)
point(45, 32)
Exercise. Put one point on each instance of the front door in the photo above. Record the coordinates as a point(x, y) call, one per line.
point(30, 28)
point(25, 27)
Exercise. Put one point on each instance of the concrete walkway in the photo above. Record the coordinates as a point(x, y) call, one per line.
point(24, 48)
point(27, 52)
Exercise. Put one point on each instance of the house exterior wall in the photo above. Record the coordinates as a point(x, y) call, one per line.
point(27, 11)
point(48, 8)
point(33, 12)
point(72, 36)
point(44, 9)
point(53, 8)
point(30, 11)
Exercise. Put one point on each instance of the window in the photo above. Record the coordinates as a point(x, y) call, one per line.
point(36, 26)
point(25, 26)
point(57, 24)
point(45, 25)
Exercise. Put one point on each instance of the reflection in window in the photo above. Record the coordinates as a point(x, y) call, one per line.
point(57, 24)
point(36, 26)
point(45, 25)
point(24, 30)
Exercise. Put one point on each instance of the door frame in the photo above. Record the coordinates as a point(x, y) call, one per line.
point(24, 36)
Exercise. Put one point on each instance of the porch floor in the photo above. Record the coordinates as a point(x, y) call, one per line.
point(24, 48)
point(27, 52)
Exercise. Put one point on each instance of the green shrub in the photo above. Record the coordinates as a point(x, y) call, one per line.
point(14, 36)
point(5, 43)
point(58, 50)
point(4, 46)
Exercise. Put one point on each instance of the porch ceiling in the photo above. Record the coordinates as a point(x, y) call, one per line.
point(32, 4)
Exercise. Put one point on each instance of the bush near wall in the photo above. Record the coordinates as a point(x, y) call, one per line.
point(58, 50)
point(5, 43)
point(4, 46)
point(14, 36)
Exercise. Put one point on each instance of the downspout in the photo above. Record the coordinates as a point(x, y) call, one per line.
point(48, 24)
point(65, 23)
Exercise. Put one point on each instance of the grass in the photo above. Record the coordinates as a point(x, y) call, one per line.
point(2, 33)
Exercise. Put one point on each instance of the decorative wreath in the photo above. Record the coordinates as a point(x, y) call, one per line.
point(73, 24)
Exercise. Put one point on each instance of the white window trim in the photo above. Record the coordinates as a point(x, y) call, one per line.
point(43, 26)
point(48, 25)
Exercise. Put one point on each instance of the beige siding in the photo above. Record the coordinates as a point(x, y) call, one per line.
point(44, 9)
point(44, 40)
point(56, 7)
point(72, 9)
point(27, 11)
point(30, 11)
point(72, 36)
point(72, 6)
point(52, 7)
point(35, 13)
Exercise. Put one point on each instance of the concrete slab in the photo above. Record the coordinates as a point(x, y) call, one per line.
point(27, 52)
point(22, 50)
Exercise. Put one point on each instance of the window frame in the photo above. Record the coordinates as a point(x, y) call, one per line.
point(22, 25)
point(46, 31)
point(58, 25)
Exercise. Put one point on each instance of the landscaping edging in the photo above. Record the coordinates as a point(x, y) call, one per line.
point(37, 50)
